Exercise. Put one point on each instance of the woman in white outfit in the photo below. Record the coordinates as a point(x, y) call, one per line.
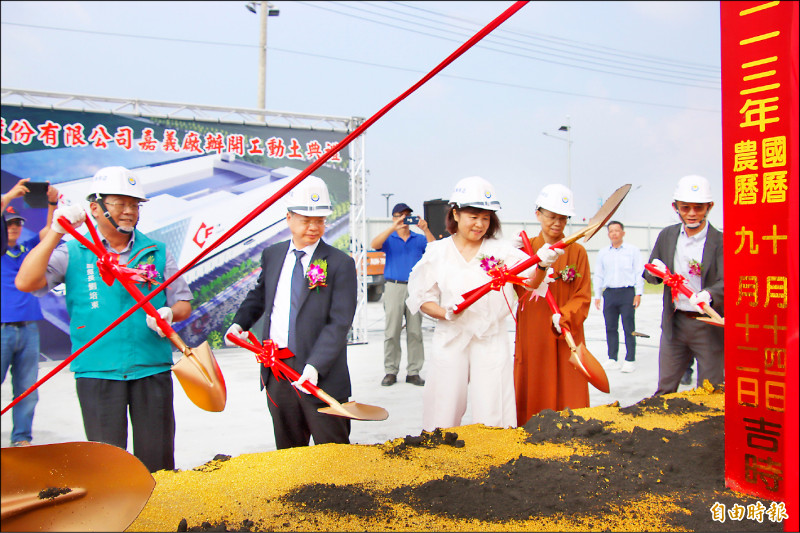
point(472, 352)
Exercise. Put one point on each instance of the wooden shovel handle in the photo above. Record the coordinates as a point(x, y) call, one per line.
point(31, 502)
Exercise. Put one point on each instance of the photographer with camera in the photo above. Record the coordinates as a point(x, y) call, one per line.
point(403, 248)
point(20, 310)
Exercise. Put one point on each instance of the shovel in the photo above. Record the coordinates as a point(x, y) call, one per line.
point(72, 486)
point(595, 223)
point(266, 355)
point(580, 356)
point(197, 371)
point(678, 283)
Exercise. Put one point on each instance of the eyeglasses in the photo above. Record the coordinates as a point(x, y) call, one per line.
point(554, 218)
point(686, 208)
point(121, 206)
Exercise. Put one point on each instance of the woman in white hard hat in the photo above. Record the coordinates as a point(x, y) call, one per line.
point(543, 376)
point(471, 350)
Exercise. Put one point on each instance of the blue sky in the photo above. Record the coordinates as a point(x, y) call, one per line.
point(640, 82)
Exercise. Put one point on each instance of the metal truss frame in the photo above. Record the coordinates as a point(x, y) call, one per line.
point(247, 116)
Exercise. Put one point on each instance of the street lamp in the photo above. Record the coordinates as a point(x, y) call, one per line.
point(568, 140)
point(266, 10)
point(387, 195)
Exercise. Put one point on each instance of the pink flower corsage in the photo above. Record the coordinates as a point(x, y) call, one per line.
point(317, 274)
point(695, 268)
point(568, 273)
point(489, 262)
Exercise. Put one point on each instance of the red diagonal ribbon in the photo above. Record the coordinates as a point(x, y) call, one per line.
point(505, 15)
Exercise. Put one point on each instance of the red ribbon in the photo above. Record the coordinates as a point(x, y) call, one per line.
point(505, 15)
point(500, 276)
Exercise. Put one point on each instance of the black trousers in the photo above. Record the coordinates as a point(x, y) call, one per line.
point(106, 404)
point(295, 419)
point(616, 303)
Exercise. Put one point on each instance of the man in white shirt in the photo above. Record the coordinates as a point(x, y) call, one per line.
point(618, 280)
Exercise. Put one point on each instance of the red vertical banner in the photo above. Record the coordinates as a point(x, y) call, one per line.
point(760, 193)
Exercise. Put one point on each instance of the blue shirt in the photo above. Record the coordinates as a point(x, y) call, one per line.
point(401, 256)
point(618, 267)
point(18, 306)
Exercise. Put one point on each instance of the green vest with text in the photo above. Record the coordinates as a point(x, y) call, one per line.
point(131, 350)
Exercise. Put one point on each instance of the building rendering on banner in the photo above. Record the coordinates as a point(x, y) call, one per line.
point(203, 170)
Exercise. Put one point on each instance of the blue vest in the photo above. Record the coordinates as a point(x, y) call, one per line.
point(131, 350)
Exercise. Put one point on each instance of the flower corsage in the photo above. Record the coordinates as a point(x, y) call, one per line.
point(695, 268)
point(489, 262)
point(317, 274)
point(568, 273)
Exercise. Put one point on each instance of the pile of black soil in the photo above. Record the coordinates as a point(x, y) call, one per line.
point(658, 404)
point(341, 499)
point(427, 439)
point(684, 467)
point(246, 525)
point(561, 427)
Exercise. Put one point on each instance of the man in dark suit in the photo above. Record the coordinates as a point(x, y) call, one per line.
point(692, 249)
point(307, 294)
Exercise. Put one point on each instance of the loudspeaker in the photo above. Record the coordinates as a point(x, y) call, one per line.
point(435, 213)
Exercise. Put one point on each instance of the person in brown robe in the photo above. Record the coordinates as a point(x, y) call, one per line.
point(543, 376)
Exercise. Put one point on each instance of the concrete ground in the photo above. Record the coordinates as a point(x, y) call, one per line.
point(245, 425)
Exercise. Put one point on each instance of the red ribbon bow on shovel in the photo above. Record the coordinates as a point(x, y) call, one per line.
point(580, 357)
point(197, 371)
point(267, 355)
point(677, 283)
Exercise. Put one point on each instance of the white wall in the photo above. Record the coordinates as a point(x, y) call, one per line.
point(644, 237)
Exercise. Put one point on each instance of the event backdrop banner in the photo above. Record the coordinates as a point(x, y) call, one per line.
point(760, 151)
point(201, 178)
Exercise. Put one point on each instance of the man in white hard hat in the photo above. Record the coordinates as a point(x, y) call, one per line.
point(693, 249)
point(128, 369)
point(307, 294)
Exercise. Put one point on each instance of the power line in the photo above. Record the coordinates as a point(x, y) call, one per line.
point(354, 61)
point(713, 79)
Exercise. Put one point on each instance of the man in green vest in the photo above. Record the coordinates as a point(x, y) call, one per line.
point(128, 369)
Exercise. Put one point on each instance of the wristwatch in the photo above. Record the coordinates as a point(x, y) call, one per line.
point(540, 267)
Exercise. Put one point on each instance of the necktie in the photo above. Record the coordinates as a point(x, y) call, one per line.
point(298, 279)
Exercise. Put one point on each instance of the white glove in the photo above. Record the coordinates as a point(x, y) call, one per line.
point(74, 213)
point(450, 313)
point(541, 290)
point(166, 314)
point(556, 318)
point(516, 241)
point(659, 264)
point(548, 256)
point(700, 297)
point(310, 375)
point(236, 329)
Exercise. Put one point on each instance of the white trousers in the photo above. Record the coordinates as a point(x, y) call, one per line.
point(484, 370)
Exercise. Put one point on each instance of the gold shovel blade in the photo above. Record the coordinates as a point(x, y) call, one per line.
point(358, 411)
point(597, 375)
point(108, 487)
point(201, 378)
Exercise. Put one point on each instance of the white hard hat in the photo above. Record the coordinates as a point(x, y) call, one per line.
point(693, 189)
point(310, 198)
point(116, 180)
point(556, 198)
point(475, 192)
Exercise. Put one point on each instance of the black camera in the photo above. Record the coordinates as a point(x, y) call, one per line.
point(411, 220)
point(37, 197)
